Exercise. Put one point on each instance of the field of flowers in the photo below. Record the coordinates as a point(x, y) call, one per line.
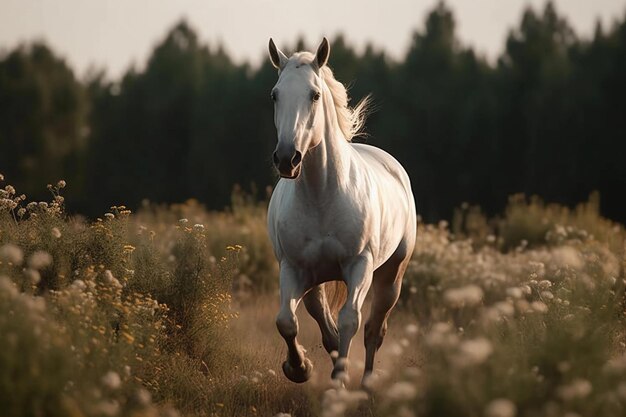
point(169, 311)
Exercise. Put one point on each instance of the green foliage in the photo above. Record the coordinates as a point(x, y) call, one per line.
point(534, 332)
point(88, 311)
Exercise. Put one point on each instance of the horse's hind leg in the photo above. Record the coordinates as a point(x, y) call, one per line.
point(292, 287)
point(387, 283)
point(317, 305)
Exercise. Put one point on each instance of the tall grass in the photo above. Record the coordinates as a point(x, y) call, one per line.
point(170, 311)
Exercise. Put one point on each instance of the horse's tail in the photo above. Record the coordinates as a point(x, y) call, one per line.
point(336, 294)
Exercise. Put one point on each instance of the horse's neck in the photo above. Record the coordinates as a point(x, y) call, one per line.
point(326, 168)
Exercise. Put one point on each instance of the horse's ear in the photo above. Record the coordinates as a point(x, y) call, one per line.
point(279, 60)
point(323, 52)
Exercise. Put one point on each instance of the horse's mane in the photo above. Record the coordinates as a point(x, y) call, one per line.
point(351, 120)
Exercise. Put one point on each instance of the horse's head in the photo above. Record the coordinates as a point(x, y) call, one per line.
point(297, 106)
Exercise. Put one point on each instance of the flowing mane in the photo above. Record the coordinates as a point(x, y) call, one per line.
point(351, 120)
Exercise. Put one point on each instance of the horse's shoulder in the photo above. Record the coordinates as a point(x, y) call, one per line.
point(378, 158)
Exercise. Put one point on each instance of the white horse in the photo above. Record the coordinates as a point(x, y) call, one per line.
point(341, 211)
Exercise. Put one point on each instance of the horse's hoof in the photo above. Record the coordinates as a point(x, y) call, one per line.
point(301, 374)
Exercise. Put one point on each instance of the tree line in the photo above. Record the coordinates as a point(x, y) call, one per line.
point(547, 118)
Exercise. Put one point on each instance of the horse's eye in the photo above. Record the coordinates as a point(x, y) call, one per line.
point(316, 96)
point(273, 95)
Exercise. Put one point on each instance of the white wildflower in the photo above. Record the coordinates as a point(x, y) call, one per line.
point(473, 352)
point(469, 295)
point(198, 227)
point(55, 232)
point(40, 260)
point(7, 286)
point(143, 397)
point(566, 256)
point(79, 285)
point(401, 391)
point(514, 292)
point(411, 329)
point(33, 276)
point(111, 380)
point(615, 365)
point(577, 389)
point(545, 284)
point(111, 280)
point(183, 221)
point(539, 307)
point(501, 407)
point(12, 254)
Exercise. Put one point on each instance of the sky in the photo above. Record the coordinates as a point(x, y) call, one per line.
point(114, 34)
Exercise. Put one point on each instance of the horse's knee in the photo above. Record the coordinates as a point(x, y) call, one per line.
point(349, 319)
point(287, 324)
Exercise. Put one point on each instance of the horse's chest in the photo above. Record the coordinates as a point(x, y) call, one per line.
point(313, 241)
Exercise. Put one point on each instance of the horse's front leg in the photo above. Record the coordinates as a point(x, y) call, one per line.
point(293, 285)
point(358, 277)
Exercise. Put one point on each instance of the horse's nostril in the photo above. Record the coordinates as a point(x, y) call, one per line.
point(295, 161)
point(276, 160)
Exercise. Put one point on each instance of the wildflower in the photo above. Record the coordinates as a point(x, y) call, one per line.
point(7, 286)
point(474, 352)
point(271, 372)
point(577, 389)
point(61, 184)
point(396, 349)
point(198, 227)
point(547, 295)
point(21, 212)
point(109, 216)
point(55, 232)
point(79, 285)
point(545, 284)
point(8, 203)
point(183, 221)
point(411, 329)
point(566, 256)
point(40, 260)
point(12, 254)
point(500, 310)
point(143, 397)
point(9, 189)
point(111, 280)
point(539, 307)
point(33, 276)
point(616, 365)
point(501, 407)
point(111, 380)
point(515, 292)
point(401, 391)
point(1, 177)
point(469, 295)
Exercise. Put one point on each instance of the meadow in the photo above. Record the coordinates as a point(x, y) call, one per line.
point(169, 311)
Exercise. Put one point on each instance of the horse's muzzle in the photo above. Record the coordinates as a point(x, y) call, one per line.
point(288, 162)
